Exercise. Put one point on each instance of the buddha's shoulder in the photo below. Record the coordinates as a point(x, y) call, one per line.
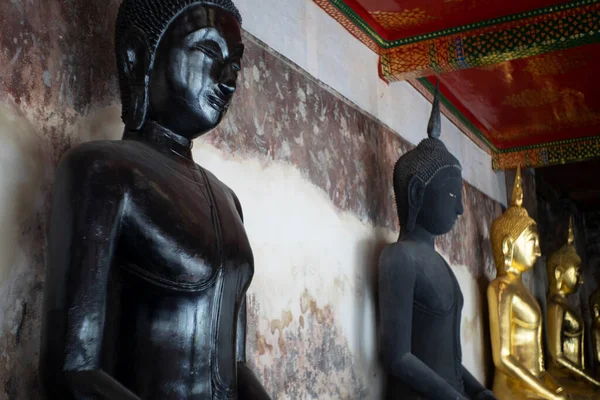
point(99, 152)
point(562, 304)
point(504, 286)
point(558, 301)
point(97, 159)
point(403, 253)
point(501, 281)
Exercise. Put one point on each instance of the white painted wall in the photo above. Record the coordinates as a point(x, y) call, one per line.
point(304, 33)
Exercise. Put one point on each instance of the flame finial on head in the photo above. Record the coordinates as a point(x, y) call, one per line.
point(517, 193)
point(571, 235)
point(434, 127)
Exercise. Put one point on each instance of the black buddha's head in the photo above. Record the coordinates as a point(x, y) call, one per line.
point(428, 182)
point(178, 62)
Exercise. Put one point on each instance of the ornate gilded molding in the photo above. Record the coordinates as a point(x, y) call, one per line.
point(474, 45)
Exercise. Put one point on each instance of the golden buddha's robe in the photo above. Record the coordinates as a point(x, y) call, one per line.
point(564, 323)
point(595, 307)
point(567, 342)
point(515, 315)
point(516, 325)
point(596, 341)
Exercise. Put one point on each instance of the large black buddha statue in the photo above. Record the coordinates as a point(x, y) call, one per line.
point(148, 260)
point(420, 301)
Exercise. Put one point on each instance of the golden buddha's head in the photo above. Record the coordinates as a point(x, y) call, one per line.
point(514, 235)
point(564, 267)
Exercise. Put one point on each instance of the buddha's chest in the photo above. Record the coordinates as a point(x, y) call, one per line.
point(572, 325)
point(181, 226)
point(526, 311)
point(436, 287)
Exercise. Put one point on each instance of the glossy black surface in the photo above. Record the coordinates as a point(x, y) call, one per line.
point(148, 261)
point(420, 301)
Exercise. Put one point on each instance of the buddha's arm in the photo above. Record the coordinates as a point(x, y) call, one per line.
point(596, 343)
point(396, 289)
point(96, 384)
point(86, 217)
point(556, 315)
point(241, 333)
point(241, 321)
point(582, 346)
point(500, 305)
point(249, 387)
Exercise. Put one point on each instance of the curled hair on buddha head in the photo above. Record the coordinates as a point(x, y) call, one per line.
point(144, 22)
point(423, 163)
point(508, 227)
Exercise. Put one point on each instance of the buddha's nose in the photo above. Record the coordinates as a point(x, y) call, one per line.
point(227, 83)
point(459, 208)
point(227, 89)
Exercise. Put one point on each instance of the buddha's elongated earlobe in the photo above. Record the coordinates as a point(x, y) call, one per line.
point(138, 107)
point(135, 64)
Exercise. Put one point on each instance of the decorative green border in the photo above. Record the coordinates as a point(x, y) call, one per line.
point(385, 44)
point(553, 153)
point(556, 143)
point(459, 115)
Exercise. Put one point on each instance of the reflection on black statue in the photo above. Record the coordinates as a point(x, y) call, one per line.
point(420, 301)
point(148, 260)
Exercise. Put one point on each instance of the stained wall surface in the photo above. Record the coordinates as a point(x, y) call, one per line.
point(311, 168)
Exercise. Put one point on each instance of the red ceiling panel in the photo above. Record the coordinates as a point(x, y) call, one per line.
point(417, 17)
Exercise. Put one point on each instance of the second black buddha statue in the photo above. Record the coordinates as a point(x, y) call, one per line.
point(148, 260)
point(420, 301)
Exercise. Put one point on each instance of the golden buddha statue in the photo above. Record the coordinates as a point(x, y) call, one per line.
point(515, 315)
point(595, 307)
point(565, 324)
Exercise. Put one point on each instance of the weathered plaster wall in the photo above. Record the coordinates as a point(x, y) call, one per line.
point(312, 171)
point(309, 37)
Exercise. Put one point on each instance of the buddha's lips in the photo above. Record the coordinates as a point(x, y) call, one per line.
point(220, 103)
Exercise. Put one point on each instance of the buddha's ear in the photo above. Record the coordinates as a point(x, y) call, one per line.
point(416, 192)
point(135, 56)
point(135, 63)
point(508, 246)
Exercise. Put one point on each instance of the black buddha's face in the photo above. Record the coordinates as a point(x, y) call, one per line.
point(195, 71)
point(442, 202)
